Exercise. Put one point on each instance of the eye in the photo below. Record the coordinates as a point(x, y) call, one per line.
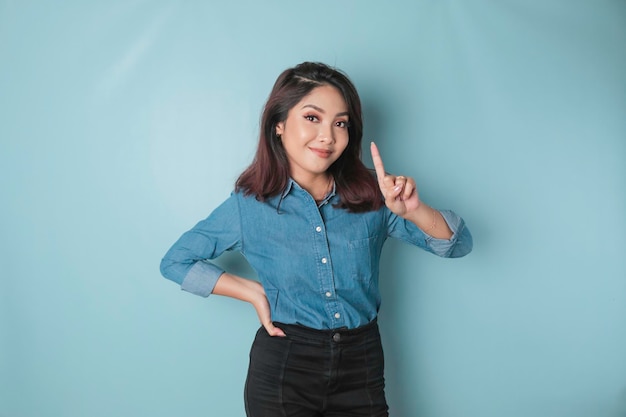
point(311, 118)
point(342, 124)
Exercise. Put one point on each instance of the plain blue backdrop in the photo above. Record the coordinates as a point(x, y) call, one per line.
point(122, 123)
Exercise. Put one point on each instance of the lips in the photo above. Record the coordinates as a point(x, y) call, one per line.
point(322, 153)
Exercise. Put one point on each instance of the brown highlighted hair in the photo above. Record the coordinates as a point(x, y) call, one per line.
point(268, 174)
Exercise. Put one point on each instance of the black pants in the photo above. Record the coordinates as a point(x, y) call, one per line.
point(316, 373)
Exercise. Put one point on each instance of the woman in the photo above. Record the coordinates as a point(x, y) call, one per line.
point(311, 220)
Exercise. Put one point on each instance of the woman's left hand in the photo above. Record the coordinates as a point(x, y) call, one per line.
point(400, 192)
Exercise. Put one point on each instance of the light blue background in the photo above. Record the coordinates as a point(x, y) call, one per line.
point(122, 123)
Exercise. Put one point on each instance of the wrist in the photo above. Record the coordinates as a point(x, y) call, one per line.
point(421, 215)
point(257, 294)
point(428, 219)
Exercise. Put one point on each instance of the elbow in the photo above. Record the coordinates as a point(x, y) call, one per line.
point(163, 267)
point(168, 270)
point(461, 242)
point(463, 245)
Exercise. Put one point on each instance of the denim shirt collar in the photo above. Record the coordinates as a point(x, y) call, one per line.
point(291, 184)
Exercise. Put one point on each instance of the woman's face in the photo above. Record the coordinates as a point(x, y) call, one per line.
point(315, 133)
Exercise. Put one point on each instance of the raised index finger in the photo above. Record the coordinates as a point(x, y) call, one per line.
point(378, 162)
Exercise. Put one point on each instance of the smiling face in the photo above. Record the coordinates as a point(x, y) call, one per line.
point(315, 133)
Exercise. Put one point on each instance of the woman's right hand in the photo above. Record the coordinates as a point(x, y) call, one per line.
point(252, 292)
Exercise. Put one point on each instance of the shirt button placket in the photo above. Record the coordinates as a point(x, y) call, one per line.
point(324, 261)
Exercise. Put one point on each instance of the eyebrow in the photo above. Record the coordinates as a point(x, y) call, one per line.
point(319, 109)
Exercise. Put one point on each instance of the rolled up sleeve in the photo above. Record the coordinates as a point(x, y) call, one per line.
point(201, 278)
point(459, 244)
point(188, 261)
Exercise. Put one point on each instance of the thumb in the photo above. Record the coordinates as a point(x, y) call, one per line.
point(388, 181)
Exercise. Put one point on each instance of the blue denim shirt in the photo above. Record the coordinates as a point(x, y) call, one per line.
point(318, 264)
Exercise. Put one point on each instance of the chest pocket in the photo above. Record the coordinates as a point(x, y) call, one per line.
point(362, 254)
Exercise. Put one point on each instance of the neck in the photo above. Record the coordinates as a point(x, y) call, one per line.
point(318, 186)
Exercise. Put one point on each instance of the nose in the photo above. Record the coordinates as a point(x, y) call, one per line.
point(326, 134)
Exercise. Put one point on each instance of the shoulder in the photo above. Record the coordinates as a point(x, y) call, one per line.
point(247, 201)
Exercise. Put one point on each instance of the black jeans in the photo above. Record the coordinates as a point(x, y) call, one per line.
point(316, 373)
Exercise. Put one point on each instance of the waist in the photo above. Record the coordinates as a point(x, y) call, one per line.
point(342, 335)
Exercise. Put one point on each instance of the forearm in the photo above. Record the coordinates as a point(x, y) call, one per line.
point(430, 221)
point(239, 288)
point(251, 292)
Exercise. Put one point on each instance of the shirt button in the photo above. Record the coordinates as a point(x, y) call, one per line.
point(324, 260)
point(328, 294)
point(337, 315)
point(318, 229)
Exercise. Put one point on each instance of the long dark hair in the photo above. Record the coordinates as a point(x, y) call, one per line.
point(268, 174)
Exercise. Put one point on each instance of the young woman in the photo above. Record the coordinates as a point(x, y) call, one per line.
point(311, 220)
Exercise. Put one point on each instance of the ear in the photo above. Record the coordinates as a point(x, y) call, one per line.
point(280, 128)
